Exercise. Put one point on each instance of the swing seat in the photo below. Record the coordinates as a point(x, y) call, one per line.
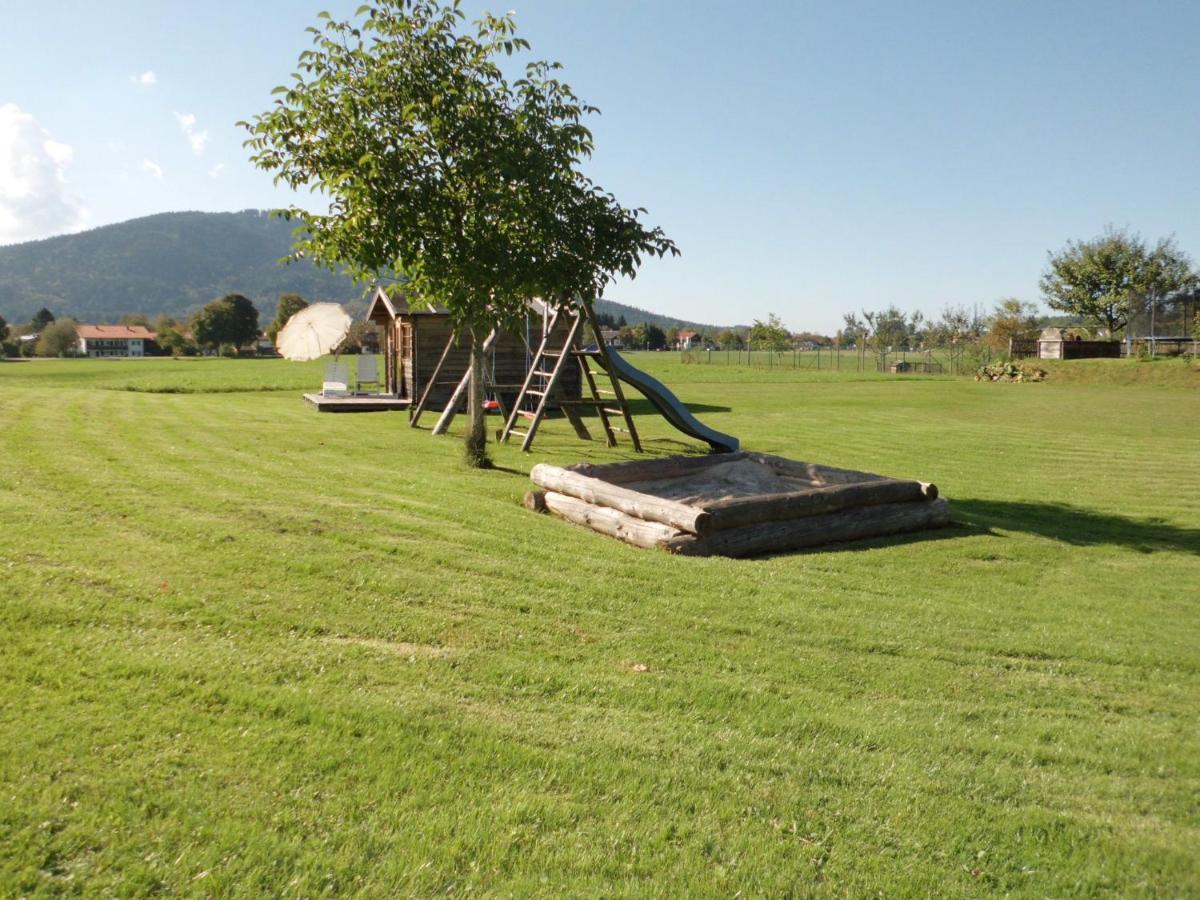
point(491, 406)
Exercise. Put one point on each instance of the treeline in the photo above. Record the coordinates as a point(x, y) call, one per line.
point(224, 326)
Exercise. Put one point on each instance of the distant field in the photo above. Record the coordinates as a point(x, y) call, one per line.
point(249, 648)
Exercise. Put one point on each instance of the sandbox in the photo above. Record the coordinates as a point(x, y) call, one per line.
point(734, 504)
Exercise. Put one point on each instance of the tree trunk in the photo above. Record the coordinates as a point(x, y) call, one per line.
point(476, 446)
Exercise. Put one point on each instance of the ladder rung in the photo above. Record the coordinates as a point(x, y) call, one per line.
point(536, 393)
point(512, 431)
point(614, 412)
point(526, 414)
point(543, 374)
point(601, 390)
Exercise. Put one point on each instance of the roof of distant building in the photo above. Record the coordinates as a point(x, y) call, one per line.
point(114, 332)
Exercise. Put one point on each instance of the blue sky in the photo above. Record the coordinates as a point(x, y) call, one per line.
point(809, 159)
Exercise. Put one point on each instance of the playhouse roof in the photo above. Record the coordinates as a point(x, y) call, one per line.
point(397, 305)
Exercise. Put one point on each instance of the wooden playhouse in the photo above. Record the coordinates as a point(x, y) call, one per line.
point(422, 355)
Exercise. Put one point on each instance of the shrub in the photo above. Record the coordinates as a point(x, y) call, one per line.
point(1010, 371)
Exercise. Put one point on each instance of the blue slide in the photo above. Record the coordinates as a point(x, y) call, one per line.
point(668, 405)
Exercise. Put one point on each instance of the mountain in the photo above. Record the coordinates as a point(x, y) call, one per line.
point(167, 263)
point(634, 316)
point(176, 262)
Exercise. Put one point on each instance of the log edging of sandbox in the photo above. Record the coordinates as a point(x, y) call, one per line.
point(841, 505)
point(853, 524)
point(634, 503)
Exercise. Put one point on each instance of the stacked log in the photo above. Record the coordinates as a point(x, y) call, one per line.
point(842, 505)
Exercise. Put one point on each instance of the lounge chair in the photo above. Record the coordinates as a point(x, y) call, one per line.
point(368, 372)
point(337, 380)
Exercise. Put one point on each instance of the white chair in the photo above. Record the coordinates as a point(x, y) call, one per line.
point(368, 372)
point(337, 380)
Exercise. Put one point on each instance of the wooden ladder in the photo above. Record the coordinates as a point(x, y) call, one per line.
point(548, 381)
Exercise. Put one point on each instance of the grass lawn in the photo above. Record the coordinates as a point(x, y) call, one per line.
point(249, 648)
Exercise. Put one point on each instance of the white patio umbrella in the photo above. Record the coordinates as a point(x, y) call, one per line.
point(312, 332)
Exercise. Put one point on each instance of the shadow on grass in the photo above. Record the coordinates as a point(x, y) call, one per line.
point(642, 407)
point(1081, 527)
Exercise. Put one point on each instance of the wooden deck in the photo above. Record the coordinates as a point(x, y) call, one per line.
point(360, 403)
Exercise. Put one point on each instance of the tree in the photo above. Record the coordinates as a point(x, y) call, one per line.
point(58, 339)
point(1105, 278)
point(40, 320)
point(134, 319)
point(1011, 319)
point(955, 325)
point(649, 337)
point(436, 167)
point(728, 339)
point(3, 330)
point(889, 329)
point(171, 340)
point(231, 321)
point(854, 330)
point(289, 305)
point(770, 335)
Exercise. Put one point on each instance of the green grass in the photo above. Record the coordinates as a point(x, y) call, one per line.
point(249, 648)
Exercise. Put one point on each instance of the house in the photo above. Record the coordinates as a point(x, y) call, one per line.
point(611, 338)
point(1059, 343)
point(687, 340)
point(416, 344)
point(115, 340)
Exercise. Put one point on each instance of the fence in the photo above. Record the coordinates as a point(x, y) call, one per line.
point(956, 360)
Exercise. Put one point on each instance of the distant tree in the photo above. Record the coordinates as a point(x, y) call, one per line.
point(629, 336)
point(888, 329)
point(770, 335)
point(3, 329)
point(955, 325)
point(1196, 326)
point(134, 319)
point(1011, 319)
point(58, 339)
point(172, 340)
point(163, 322)
point(812, 337)
point(728, 339)
point(621, 323)
point(672, 335)
point(40, 320)
point(289, 305)
point(231, 321)
point(1105, 279)
point(853, 330)
point(649, 337)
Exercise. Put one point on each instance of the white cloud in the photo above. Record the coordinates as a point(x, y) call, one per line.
point(198, 139)
point(34, 199)
point(155, 170)
point(146, 79)
point(216, 171)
